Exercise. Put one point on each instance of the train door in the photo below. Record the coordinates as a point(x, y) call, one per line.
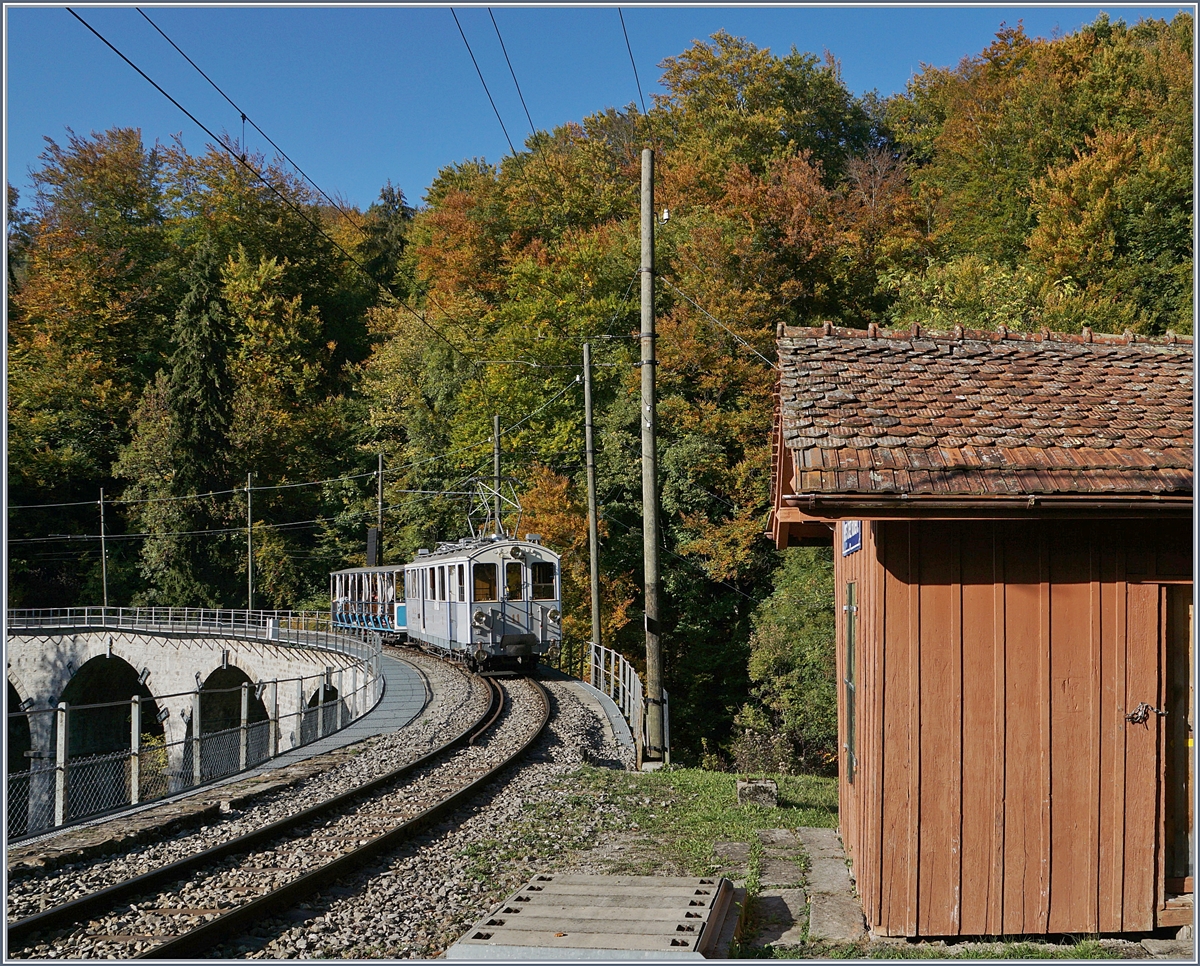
point(542, 594)
point(451, 607)
point(421, 579)
point(516, 607)
point(464, 608)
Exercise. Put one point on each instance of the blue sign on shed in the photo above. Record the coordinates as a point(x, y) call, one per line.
point(851, 536)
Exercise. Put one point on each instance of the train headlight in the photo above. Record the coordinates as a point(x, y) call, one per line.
point(553, 614)
point(480, 619)
point(516, 553)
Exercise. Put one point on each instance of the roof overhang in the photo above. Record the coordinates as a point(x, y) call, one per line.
point(813, 507)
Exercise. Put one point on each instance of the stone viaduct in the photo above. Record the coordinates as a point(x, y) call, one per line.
point(287, 683)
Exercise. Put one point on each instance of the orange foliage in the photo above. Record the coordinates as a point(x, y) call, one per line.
point(552, 507)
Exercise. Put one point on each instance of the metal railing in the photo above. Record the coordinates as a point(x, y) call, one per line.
point(283, 627)
point(85, 760)
point(609, 672)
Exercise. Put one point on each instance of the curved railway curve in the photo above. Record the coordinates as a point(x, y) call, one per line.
point(222, 889)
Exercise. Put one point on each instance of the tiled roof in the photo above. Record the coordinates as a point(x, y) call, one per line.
point(985, 413)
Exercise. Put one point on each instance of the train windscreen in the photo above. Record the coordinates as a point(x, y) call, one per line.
point(512, 581)
point(485, 582)
point(543, 581)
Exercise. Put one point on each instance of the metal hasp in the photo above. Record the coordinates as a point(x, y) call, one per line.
point(654, 683)
point(602, 917)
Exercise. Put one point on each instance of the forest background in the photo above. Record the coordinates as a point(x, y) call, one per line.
point(177, 321)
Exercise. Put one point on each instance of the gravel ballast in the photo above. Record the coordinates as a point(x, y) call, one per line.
point(423, 897)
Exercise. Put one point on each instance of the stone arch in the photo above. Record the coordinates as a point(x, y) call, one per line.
point(106, 680)
point(16, 687)
point(18, 733)
point(221, 701)
point(221, 739)
point(99, 739)
point(328, 694)
point(19, 743)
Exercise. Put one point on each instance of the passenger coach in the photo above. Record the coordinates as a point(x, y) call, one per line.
point(366, 597)
point(494, 601)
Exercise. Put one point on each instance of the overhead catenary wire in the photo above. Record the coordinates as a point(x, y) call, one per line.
point(516, 83)
point(737, 338)
point(285, 486)
point(483, 82)
point(287, 201)
point(246, 118)
point(194, 496)
point(217, 531)
point(361, 230)
point(632, 62)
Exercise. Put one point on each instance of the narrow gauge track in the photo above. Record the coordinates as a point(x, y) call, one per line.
point(235, 884)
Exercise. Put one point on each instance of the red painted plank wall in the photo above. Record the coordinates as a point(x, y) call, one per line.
point(999, 788)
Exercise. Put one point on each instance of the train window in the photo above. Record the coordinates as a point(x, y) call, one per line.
point(441, 583)
point(424, 592)
point(462, 583)
point(512, 580)
point(543, 581)
point(485, 582)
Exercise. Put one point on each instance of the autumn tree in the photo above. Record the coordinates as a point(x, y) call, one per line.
point(1060, 168)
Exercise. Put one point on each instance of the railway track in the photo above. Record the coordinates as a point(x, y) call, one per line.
point(185, 908)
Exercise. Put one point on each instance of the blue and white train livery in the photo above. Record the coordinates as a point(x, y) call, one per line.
point(366, 597)
point(493, 601)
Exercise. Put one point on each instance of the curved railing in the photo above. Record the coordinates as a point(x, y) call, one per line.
point(217, 732)
point(609, 672)
point(285, 627)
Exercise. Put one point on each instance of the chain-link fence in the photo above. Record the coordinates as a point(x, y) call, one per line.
point(76, 761)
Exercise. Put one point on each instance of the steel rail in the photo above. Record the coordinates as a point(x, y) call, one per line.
point(498, 709)
point(78, 910)
point(200, 940)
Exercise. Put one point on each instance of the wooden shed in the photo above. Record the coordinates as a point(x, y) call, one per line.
point(1011, 517)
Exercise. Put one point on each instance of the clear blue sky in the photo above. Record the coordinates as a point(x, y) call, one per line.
point(358, 96)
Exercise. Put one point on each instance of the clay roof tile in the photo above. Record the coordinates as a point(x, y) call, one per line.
point(988, 412)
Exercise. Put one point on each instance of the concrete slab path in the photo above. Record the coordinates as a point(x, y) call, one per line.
point(1180, 950)
point(824, 910)
point(405, 693)
point(836, 918)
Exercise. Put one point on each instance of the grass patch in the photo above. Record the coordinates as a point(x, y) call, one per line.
point(665, 821)
point(686, 811)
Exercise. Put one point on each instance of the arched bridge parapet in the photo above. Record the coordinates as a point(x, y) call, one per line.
point(137, 682)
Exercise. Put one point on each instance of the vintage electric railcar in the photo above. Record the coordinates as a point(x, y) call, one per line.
point(492, 601)
point(370, 598)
